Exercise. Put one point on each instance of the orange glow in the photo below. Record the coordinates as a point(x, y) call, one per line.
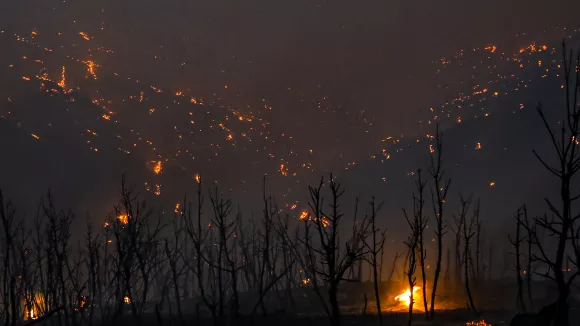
point(283, 170)
point(36, 301)
point(177, 206)
point(126, 299)
point(123, 218)
point(157, 190)
point(478, 146)
point(91, 68)
point(35, 136)
point(491, 48)
point(62, 82)
point(85, 36)
point(26, 78)
point(492, 183)
point(405, 297)
point(106, 224)
point(197, 178)
point(303, 215)
point(477, 323)
point(158, 167)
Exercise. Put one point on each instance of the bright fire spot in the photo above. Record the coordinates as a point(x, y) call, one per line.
point(197, 178)
point(303, 215)
point(123, 218)
point(478, 146)
point(126, 299)
point(158, 167)
point(492, 183)
point(431, 150)
point(405, 297)
point(477, 323)
point(31, 315)
point(177, 206)
point(62, 82)
point(491, 48)
point(283, 170)
point(85, 36)
point(35, 136)
point(91, 68)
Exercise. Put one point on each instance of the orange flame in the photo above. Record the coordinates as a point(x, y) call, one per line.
point(405, 297)
point(123, 218)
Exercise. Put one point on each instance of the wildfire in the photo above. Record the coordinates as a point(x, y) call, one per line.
point(158, 167)
point(85, 36)
point(405, 297)
point(62, 82)
point(477, 323)
point(123, 218)
point(126, 299)
point(91, 68)
point(31, 315)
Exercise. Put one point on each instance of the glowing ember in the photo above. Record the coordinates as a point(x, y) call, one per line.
point(85, 36)
point(126, 299)
point(405, 297)
point(91, 68)
point(123, 218)
point(158, 167)
point(62, 82)
point(477, 323)
point(31, 315)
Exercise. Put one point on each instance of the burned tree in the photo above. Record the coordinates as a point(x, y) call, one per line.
point(334, 262)
point(516, 243)
point(562, 222)
point(375, 247)
point(438, 196)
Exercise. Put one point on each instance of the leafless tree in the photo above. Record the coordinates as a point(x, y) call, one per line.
point(562, 222)
point(516, 243)
point(334, 262)
point(375, 247)
point(439, 191)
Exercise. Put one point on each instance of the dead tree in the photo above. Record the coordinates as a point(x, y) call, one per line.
point(422, 224)
point(457, 231)
point(374, 248)
point(467, 233)
point(198, 235)
point(528, 270)
point(412, 243)
point(438, 197)
point(334, 263)
point(562, 223)
point(516, 243)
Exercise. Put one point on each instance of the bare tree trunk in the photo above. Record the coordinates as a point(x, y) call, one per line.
point(516, 243)
point(438, 196)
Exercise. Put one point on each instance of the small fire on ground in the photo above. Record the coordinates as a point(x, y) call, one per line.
point(405, 297)
point(477, 323)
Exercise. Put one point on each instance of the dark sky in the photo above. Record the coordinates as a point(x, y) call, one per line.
point(339, 77)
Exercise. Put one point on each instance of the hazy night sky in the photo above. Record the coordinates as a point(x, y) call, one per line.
point(339, 76)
